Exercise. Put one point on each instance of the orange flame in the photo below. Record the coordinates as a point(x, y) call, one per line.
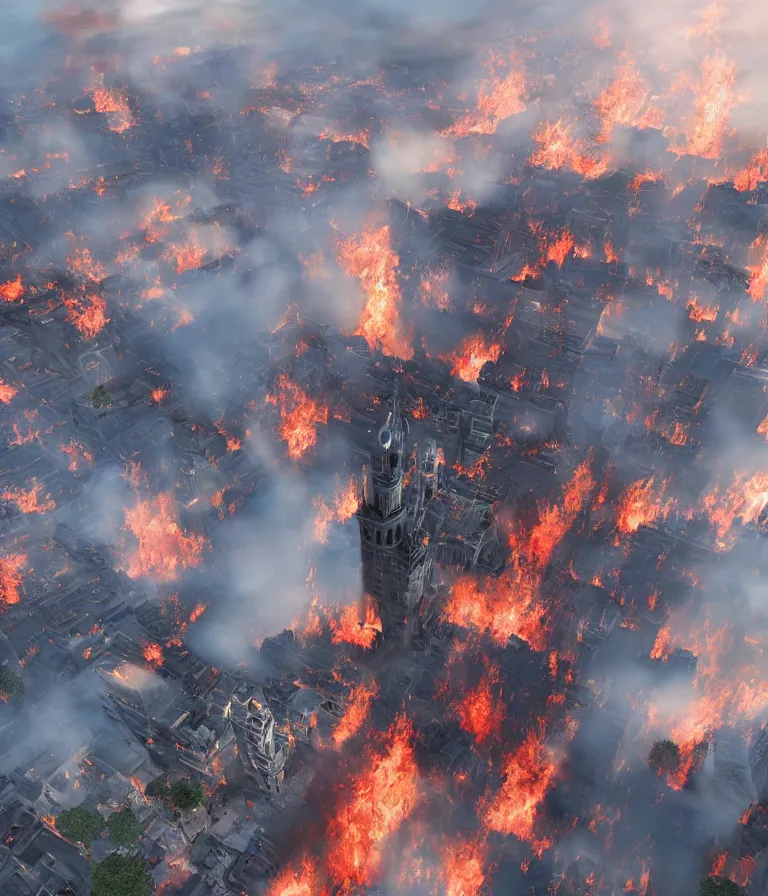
point(344, 506)
point(28, 501)
point(471, 356)
point(349, 628)
point(370, 258)
point(300, 416)
point(11, 567)
point(499, 97)
point(163, 548)
point(358, 710)
point(373, 807)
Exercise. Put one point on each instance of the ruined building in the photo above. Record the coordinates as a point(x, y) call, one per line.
point(262, 752)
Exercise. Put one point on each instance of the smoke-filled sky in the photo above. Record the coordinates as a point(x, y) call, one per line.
point(225, 208)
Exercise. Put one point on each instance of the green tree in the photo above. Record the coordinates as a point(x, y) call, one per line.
point(80, 825)
point(718, 886)
point(187, 794)
point(100, 397)
point(121, 876)
point(664, 756)
point(124, 828)
point(159, 787)
point(11, 685)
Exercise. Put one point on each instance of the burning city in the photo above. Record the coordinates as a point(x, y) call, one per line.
point(384, 440)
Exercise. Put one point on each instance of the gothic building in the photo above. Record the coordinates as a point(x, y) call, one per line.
point(396, 557)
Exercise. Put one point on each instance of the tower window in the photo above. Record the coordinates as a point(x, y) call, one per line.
point(389, 536)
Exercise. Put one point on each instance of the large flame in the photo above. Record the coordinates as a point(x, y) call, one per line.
point(370, 258)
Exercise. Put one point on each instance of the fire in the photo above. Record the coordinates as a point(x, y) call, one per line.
point(556, 520)
point(744, 501)
point(500, 96)
point(162, 548)
point(758, 271)
point(471, 356)
point(701, 313)
point(88, 314)
point(363, 138)
point(627, 102)
point(369, 258)
point(187, 256)
point(501, 607)
point(358, 710)
point(464, 866)
point(233, 442)
point(372, 808)
point(527, 774)
point(559, 150)
point(12, 290)
point(304, 881)
point(197, 611)
point(754, 173)
point(159, 395)
point(112, 102)
point(11, 567)
point(343, 507)
point(640, 504)
point(7, 392)
point(153, 653)
point(714, 101)
point(300, 416)
point(75, 451)
point(28, 500)
point(481, 711)
point(350, 628)
point(560, 248)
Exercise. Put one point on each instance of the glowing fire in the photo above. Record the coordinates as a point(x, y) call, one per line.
point(559, 150)
point(370, 258)
point(372, 808)
point(351, 628)
point(627, 102)
point(471, 356)
point(500, 96)
point(527, 774)
point(744, 500)
point(714, 100)
point(357, 712)
point(163, 549)
point(28, 500)
point(112, 102)
point(87, 314)
point(300, 416)
point(7, 392)
point(11, 568)
point(153, 653)
point(12, 290)
point(640, 505)
point(481, 711)
point(343, 507)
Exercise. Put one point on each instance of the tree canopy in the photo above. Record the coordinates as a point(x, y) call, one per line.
point(187, 794)
point(121, 876)
point(100, 397)
point(80, 825)
point(124, 828)
point(11, 685)
point(718, 886)
point(664, 756)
